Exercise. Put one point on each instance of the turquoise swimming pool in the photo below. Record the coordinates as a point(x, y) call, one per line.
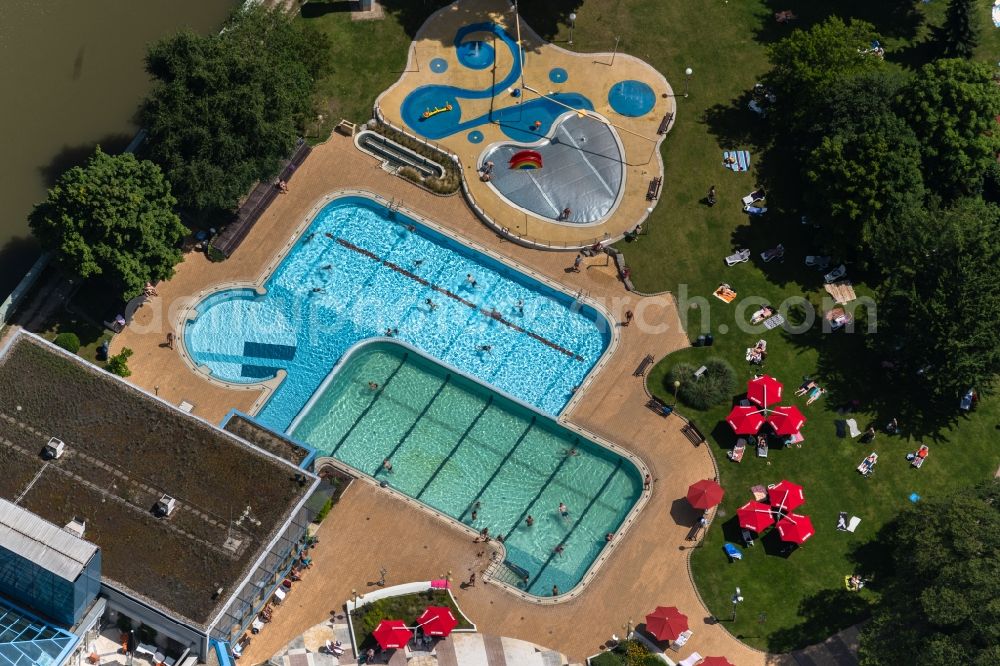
point(361, 271)
point(477, 456)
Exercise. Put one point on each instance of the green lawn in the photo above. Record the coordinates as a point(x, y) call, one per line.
point(794, 601)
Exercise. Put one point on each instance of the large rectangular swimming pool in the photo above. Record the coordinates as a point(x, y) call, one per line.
point(460, 448)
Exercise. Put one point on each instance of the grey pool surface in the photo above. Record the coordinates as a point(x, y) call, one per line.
point(582, 170)
point(460, 447)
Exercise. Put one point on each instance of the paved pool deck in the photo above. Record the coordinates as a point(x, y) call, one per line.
point(648, 567)
point(590, 74)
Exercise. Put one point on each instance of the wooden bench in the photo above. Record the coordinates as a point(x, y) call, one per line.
point(643, 366)
point(693, 435)
point(660, 407)
point(665, 123)
point(654, 188)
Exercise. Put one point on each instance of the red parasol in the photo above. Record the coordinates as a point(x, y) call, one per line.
point(705, 494)
point(745, 420)
point(715, 661)
point(392, 634)
point(764, 390)
point(786, 420)
point(795, 528)
point(666, 623)
point(786, 496)
point(755, 516)
point(437, 621)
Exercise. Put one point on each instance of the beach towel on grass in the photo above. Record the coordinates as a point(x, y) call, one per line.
point(741, 157)
point(773, 322)
point(996, 15)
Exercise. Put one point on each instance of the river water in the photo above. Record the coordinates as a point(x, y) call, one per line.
point(71, 77)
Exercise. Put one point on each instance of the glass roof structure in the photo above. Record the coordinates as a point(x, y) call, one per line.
point(26, 640)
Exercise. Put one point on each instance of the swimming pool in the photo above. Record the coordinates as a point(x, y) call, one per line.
point(360, 270)
point(460, 447)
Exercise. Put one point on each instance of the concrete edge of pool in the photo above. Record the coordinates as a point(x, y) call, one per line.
point(640, 467)
point(190, 312)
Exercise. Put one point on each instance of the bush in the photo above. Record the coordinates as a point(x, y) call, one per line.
point(450, 183)
point(324, 511)
point(715, 386)
point(214, 254)
point(118, 364)
point(68, 341)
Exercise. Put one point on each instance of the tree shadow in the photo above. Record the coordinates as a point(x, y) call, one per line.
point(547, 17)
point(734, 125)
point(411, 14)
point(823, 614)
point(71, 156)
point(16, 257)
point(897, 19)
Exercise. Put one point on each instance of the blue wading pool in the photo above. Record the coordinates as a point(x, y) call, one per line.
point(359, 271)
point(461, 447)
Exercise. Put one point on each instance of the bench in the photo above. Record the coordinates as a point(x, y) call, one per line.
point(665, 123)
point(654, 188)
point(700, 371)
point(643, 366)
point(692, 433)
point(660, 407)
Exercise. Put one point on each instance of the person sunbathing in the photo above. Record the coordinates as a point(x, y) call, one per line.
point(815, 394)
point(806, 387)
point(761, 315)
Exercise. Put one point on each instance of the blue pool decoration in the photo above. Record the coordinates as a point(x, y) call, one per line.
point(475, 136)
point(360, 272)
point(474, 54)
point(439, 65)
point(632, 98)
point(558, 75)
point(914, 498)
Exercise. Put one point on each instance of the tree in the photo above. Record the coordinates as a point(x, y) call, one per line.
point(714, 386)
point(225, 109)
point(864, 166)
point(113, 218)
point(943, 589)
point(958, 36)
point(939, 304)
point(118, 364)
point(952, 106)
point(808, 64)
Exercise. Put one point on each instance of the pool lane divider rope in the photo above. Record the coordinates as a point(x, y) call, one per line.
point(527, 508)
point(375, 397)
point(577, 522)
point(420, 417)
point(441, 290)
point(489, 401)
point(510, 452)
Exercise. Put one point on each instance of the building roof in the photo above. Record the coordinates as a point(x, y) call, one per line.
point(39, 541)
point(125, 449)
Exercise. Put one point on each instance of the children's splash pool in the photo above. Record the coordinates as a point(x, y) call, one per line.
point(477, 456)
point(361, 271)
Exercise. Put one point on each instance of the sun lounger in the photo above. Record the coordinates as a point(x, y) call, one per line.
point(279, 595)
point(691, 660)
point(965, 404)
point(762, 447)
point(747, 538)
point(816, 261)
point(755, 211)
point(853, 524)
point(256, 626)
point(752, 198)
point(736, 455)
point(852, 428)
point(867, 465)
point(835, 274)
point(741, 256)
point(777, 252)
point(681, 640)
point(733, 552)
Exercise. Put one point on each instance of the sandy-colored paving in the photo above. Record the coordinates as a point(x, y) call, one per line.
point(590, 74)
point(370, 529)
